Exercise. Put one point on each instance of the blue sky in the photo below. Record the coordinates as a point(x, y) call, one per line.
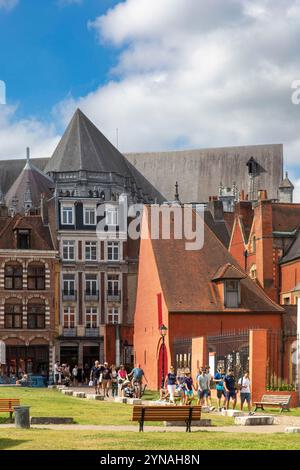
point(48, 51)
point(169, 74)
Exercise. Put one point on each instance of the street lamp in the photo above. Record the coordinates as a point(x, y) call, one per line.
point(163, 331)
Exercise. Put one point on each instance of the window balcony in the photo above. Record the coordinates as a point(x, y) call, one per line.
point(69, 332)
point(69, 295)
point(92, 332)
point(114, 296)
point(91, 295)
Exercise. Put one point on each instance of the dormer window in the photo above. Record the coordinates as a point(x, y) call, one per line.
point(232, 293)
point(23, 239)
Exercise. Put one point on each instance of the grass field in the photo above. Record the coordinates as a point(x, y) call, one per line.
point(44, 402)
point(38, 439)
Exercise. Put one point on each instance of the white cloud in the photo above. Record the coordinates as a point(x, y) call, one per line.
point(16, 135)
point(192, 73)
point(8, 4)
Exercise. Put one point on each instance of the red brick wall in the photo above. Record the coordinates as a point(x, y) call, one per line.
point(146, 332)
point(290, 277)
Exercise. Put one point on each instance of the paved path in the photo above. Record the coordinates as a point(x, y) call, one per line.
point(279, 426)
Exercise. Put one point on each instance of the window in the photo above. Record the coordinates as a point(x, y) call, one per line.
point(232, 293)
point(69, 285)
point(36, 277)
point(91, 317)
point(112, 216)
point(23, 239)
point(69, 317)
point(91, 251)
point(287, 301)
point(67, 215)
point(36, 315)
point(13, 277)
point(113, 315)
point(68, 250)
point(113, 251)
point(113, 284)
point(253, 272)
point(91, 283)
point(13, 315)
point(89, 216)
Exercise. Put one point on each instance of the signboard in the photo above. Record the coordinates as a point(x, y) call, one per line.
point(2, 353)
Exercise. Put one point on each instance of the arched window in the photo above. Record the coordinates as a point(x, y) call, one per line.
point(36, 276)
point(13, 312)
point(253, 272)
point(36, 314)
point(13, 276)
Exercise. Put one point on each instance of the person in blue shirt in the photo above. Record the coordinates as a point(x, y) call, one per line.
point(137, 375)
point(230, 388)
point(219, 380)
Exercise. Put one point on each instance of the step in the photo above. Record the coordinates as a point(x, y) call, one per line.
point(134, 401)
point(254, 420)
point(91, 396)
point(52, 386)
point(120, 400)
point(79, 394)
point(292, 430)
point(51, 420)
point(197, 423)
point(233, 413)
point(67, 392)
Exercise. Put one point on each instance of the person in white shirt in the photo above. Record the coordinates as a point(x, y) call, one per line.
point(245, 390)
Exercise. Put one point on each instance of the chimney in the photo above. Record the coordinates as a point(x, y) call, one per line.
point(242, 195)
point(44, 209)
point(262, 195)
point(216, 209)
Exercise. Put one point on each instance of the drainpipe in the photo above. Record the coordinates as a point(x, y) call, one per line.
point(246, 259)
point(117, 345)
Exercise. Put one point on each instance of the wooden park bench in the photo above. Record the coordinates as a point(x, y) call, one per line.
point(282, 401)
point(7, 405)
point(186, 414)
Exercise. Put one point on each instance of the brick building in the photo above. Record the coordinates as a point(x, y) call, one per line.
point(27, 294)
point(194, 294)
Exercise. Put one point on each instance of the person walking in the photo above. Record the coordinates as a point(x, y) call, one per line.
point(106, 379)
point(209, 380)
point(137, 375)
point(245, 391)
point(230, 388)
point(170, 384)
point(202, 388)
point(122, 377)
point(74, 376)
point(114, 381)
point(188, 388)
point(94, 376)
point(219, 380)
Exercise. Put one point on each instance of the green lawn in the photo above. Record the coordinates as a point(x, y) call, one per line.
point(37, 439)
point(48, 402)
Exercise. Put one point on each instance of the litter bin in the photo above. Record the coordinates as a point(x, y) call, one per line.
point(22, 418)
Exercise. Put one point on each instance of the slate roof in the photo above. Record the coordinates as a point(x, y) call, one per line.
point(33, 178)
point(286, 217)
point(84, 147)
point(228, 271)
point(294, 251)
point(194, 290)
point(40, 234)
point(286, 183)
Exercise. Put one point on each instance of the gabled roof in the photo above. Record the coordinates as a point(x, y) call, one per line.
point(286, 217)
point(294, 251)
point(186, 275)
point(84, 147)
point(33, 179)
point(228, 271)
point(40, 237)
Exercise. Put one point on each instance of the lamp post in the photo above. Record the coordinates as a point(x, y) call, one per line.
point(163, 331)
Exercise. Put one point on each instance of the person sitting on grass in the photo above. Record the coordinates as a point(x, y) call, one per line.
point(230, 388)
